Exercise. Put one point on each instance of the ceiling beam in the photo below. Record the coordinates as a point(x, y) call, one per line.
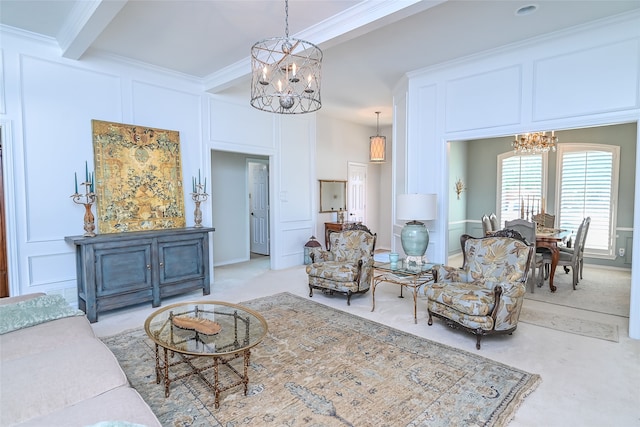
point(353, 22)
point(86, 21)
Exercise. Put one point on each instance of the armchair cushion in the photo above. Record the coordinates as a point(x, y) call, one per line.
point(334, 270)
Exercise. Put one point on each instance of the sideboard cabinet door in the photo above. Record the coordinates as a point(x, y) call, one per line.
point(123, 269)
point(182, 264)
point(123, 275)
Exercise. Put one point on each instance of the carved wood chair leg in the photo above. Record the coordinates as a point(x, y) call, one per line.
point(430, 321)
point(479, 337)
point(349, 298)
point(310, 292)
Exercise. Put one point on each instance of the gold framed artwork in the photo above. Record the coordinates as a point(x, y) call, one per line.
point(138, 178)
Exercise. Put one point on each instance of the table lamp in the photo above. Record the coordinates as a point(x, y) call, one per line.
point(415, 235)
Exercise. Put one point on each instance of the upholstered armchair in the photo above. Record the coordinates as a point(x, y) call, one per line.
point(485, 295)
point(347, 267)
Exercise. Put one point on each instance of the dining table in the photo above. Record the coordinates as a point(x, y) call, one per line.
point(551, 239)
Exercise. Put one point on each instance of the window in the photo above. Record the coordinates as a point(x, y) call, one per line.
point(587, 186)
point(521, 184)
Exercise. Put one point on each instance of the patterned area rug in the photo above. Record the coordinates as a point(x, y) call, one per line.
point(319, 366)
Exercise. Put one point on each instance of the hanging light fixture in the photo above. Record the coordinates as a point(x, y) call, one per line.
point(535, 142)
point(285, 74)
point(377, 145)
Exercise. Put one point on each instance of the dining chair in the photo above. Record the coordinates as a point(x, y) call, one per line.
point(573, 257)
point(527, 229)
point(545, 220)
point(489, 224)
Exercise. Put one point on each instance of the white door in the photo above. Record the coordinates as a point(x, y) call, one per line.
point(357, 192)
point(259, 205)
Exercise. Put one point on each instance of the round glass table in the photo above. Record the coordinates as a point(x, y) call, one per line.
point(205, 335)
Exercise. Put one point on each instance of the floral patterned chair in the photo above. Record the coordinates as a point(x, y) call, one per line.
point(485, 295)
point(347, 267)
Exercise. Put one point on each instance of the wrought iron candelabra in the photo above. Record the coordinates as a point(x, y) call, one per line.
point(199, 195)
point(87, 199)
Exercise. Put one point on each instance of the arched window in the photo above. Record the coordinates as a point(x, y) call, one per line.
point(588, 186)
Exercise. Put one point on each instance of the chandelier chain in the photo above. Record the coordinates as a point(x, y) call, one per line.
point(286, 19)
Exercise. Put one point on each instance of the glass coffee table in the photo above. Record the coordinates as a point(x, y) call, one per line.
point(205, 335)
point(404, 274)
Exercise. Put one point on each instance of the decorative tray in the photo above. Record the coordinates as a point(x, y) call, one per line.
point(202, 326)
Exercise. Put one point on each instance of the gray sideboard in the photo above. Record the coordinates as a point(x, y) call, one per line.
point(122, 269)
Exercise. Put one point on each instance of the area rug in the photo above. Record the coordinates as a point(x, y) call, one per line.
point(319, 366)
point(573, 325)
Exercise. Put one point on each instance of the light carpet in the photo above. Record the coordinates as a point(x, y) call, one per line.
point(601, 290)
point(570, 324)
point(319, 366)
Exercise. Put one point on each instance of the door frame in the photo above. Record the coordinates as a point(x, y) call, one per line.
point(264, 161)
point(9, 207)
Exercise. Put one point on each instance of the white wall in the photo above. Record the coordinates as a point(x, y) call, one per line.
point(340, 142)
point(580, 77)
point(48, 105)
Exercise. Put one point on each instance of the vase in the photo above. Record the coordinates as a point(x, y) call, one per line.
point(89, 226)
point(197, 215)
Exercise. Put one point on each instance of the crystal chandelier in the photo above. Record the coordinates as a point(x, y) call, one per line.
point(535, 142)
point(377, 145)
point(285, 74)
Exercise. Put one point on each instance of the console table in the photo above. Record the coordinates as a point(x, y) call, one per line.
point(336, 226)
point(122, 269)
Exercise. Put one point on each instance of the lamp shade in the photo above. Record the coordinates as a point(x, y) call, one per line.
point(416, 207)
point(377, 148)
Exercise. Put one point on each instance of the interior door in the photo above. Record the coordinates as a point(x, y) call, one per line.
point(259, 205)
point(4, 278)
point(357, 192)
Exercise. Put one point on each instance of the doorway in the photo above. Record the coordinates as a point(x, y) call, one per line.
point(240, 214)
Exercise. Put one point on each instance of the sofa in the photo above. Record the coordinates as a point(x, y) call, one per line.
point(54, 371)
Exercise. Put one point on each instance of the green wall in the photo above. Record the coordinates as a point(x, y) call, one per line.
point(480, 177)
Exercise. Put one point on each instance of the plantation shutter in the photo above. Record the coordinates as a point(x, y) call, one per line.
point(586, 189)
point(521, 182)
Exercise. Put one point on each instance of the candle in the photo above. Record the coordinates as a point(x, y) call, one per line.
point(264, 73)
point(75, 175)
point(294, 69)
point(199, 181)
point(86, 171)
point(205, 184)
point(193, 183)
point(279, 86)
point(91, 182)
